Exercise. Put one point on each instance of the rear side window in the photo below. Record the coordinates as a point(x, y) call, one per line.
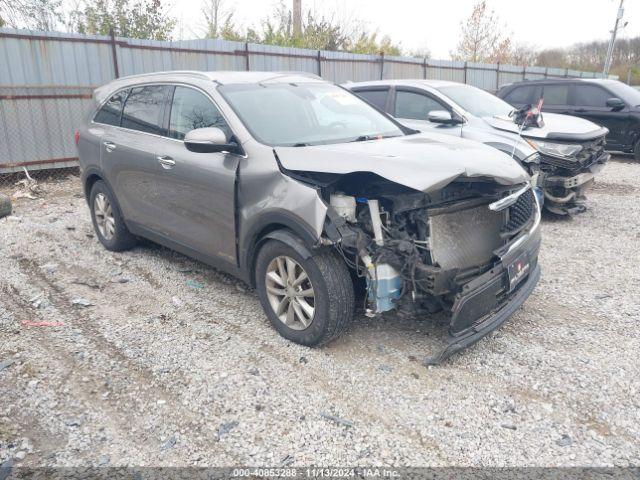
point(377, 98)
point(415, 106)
point(110, 112)
point(191, 109)
point(143, 109)
point(590, 96)
point(556, 94)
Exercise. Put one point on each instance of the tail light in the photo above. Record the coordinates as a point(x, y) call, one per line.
point(76, 137)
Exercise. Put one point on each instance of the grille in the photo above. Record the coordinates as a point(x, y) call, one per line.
point(519, 214)
point(590, 153)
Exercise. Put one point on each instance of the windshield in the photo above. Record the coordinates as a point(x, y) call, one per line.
point(630, 95)
point(301, 114)
point(477, 102)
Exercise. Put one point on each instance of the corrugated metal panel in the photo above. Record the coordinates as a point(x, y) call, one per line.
point(446, 70)
point(272, 58)
point(68, 61)
point(404, 67)
point(37, 125)
point(341, 67)
point(483, 75)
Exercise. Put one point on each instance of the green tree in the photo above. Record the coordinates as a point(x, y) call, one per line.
point(32, 14)
point(128, 18)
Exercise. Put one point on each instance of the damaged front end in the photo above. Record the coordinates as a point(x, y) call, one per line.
point(566, 177)
point(468, 249)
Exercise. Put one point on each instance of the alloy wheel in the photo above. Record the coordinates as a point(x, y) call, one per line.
point(103, 212)
point(290, 292)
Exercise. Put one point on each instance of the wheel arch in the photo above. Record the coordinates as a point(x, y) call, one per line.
point(276, 226)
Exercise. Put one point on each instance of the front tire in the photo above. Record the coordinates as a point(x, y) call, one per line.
point(308, 301)
point(107, 220)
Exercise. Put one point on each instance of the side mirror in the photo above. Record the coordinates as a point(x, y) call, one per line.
point(208, 140)
point(443, 117)
point(615, 103)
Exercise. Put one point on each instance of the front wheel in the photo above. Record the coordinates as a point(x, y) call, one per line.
point(308, 301)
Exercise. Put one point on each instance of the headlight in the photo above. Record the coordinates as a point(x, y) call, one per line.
point(564, 150)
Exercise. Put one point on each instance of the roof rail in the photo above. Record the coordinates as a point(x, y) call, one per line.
point(194, 73)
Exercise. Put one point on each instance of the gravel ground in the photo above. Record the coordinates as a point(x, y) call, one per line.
point(149, 358)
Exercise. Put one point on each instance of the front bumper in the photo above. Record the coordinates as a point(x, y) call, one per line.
point(488, 303)
point(490, 322)
point(564, 189)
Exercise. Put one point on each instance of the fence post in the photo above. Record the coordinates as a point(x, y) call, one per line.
point(546, 72)
point(424, 68)
point(464, 72)
point(246, 56)
point(114, 54)
point(524, 73)
point(319, 63)
point(566, 72)
point(381, 65)
point(497, 76)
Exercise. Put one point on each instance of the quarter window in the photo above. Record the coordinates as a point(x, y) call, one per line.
point(415, 106)
point(143, 109)
point(377, 98)
point(191, 109)
point(111, 111)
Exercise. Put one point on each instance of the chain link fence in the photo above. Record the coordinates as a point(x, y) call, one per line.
point(37, 127)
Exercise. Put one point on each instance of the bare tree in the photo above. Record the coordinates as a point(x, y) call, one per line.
point(33, 14)
point(482, 39)
point(218, 19)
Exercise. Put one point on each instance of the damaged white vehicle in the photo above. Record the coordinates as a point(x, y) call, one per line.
point(308, 193)
point(563, 154)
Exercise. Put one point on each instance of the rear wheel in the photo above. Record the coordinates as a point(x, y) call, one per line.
point(308, 301)
point(107, 220)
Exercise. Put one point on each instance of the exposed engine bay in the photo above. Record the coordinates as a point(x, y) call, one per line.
point(420, 252)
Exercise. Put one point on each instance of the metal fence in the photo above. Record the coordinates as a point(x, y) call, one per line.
point(46, 79)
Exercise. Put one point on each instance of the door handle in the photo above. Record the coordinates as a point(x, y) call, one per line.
point(109, 146)
point(166, 161)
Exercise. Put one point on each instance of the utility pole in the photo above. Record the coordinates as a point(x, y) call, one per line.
point(614, 32)
point(297, 18)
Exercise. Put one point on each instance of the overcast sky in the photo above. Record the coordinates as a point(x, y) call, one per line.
point(435, 24)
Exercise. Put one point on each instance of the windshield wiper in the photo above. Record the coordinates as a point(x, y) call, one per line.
point(301, 144)
point(365, 138)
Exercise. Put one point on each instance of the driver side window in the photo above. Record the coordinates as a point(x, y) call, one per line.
point(415, 106)
point(191, 109)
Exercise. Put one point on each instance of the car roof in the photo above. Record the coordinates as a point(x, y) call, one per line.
point(408, 82)
point(219, 77)
point(602, 81)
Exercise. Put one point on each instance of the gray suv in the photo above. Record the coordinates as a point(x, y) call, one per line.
point(314, 197)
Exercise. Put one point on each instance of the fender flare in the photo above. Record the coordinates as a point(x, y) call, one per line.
point(286, 230)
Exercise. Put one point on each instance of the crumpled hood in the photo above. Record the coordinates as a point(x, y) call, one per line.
point(424, 162)
point(556, 127)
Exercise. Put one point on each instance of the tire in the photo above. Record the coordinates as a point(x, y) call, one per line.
point(330, 282)
point(114, 237)
point(5, 205)
point(636, 152)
